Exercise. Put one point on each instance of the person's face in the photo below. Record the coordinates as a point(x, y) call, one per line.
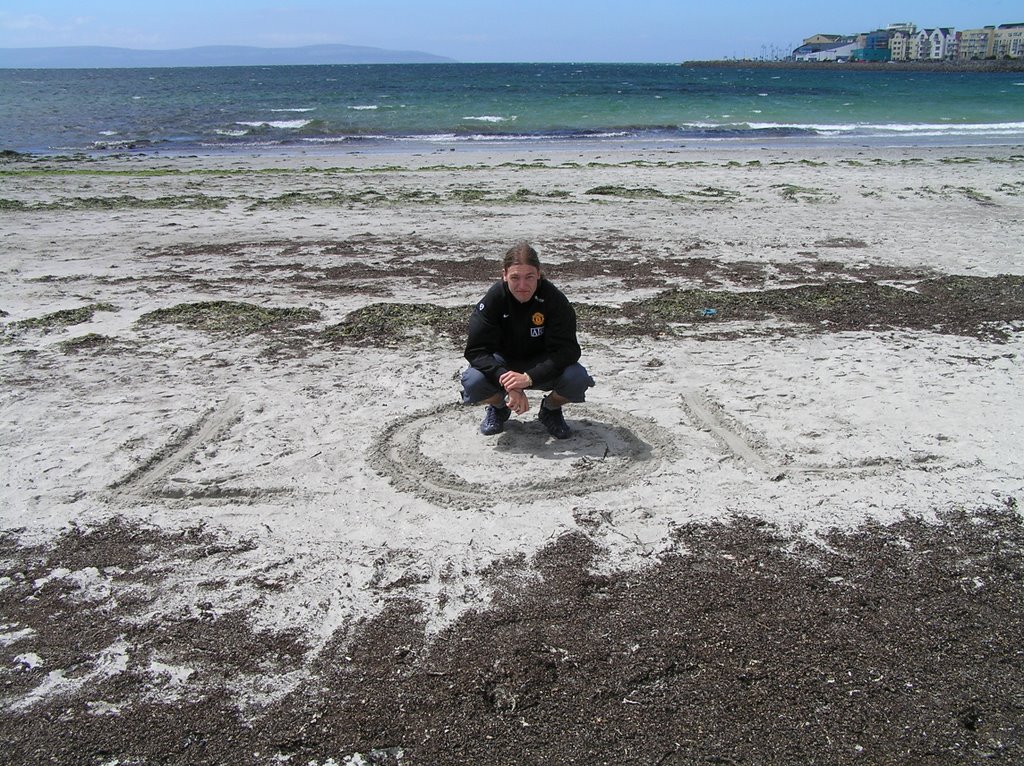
point(522, 281)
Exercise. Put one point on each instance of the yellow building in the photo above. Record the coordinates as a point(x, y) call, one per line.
point(823, 39)
point(899, 45)
point(1008, 41)
point(976, 43)
point(1003, 42)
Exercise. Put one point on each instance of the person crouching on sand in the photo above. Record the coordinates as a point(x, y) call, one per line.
point(522, 335)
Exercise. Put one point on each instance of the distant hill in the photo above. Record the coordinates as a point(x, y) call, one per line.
point(87, 57)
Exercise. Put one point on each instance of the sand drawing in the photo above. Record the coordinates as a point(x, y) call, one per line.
point(753, 449)
point(429, 454)
point(437, 455)
point(151, 480)
point(704, 413)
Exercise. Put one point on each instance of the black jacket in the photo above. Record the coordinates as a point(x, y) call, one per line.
point(537, 337)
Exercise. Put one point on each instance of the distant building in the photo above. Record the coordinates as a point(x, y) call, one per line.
point(820, 40)
point(975, 44)
point(1008, 41)
point(941, 43)
point(826, 48)
point(899, 45)
point(903, 26)
point(874, 46)
point(903, 41)
point(924, 45)
point(837, 52)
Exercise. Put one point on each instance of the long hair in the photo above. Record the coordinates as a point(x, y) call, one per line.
point(521, 254)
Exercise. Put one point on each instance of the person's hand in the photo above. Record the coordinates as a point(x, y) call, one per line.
point(518, 402)
point(515, 381)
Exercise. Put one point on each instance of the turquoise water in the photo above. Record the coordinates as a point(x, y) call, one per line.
point(394, 106)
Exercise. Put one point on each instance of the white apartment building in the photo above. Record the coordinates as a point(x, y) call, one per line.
point(926, 45)
point(937, 44)
point(899, 45)
point(1008, 41)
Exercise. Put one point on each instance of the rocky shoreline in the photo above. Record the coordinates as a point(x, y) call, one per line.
point(966, 67)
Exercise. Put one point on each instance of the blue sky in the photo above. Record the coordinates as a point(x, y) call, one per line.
point(483, 30)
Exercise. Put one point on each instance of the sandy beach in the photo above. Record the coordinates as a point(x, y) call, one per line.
point(245, 520)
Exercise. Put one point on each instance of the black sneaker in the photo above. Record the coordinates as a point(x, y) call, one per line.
point(554, 422)
point(494, 420)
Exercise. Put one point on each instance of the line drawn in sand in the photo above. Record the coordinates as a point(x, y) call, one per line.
point(440, 456)
point(422, 454)
point(705, 413)
point(752, 449)
point(156, 477)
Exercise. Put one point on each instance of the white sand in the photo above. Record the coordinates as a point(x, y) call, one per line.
point(350, 467)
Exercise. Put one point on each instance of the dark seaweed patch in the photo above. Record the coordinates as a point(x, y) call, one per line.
point(230, 317)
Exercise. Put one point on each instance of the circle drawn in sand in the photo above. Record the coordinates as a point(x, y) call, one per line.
point(441, 456)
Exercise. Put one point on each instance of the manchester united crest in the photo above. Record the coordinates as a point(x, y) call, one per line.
point(538, 319)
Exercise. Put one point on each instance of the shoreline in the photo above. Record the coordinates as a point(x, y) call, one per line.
point(987, 66)
point(406, 148)
point(526, 157)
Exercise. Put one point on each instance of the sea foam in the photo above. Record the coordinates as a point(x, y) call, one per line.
point(280, 124)
point(491, 118)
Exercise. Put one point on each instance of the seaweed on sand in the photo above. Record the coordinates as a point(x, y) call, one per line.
point(385, 324)
point(85, 342)
point(954, 304)
point(230, 317)
point(63, 318)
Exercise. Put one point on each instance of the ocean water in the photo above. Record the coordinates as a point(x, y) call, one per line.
point(367, 107)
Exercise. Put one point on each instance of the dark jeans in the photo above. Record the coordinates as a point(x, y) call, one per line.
point(572, 384)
